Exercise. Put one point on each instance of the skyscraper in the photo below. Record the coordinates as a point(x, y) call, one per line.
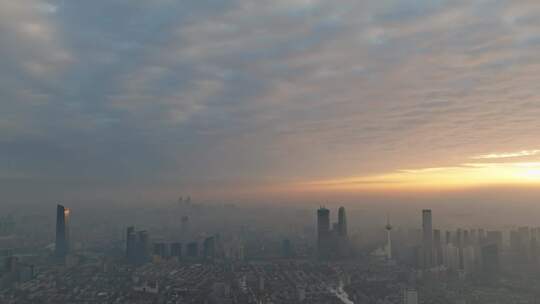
point(142, 247)
point(131, 244)
point(466, 239)
point(62, 231)
point(192, 250)
point(184, 226)
point(286, 249)
point(490, 258)
point(459, 244)
point(427, 238)
point(137, 246)
point(448, 237)
point(160, 250)
point(209, 248)
point(342, 222)
point(494, 237)
point(323, 232)
point(437, 248)
point(176, 250)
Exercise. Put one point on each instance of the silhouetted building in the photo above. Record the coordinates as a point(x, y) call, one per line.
point(438, 248)
point(481, 236)
point(514, 240)
point(131, 244)
point(192, 250)
point(448, 237)
point(16, 271)
point(341, 234)
point(323, 233)
point(160, 250)
point(342, 222)
point(469, 259)
point(459, 245)
point(286, 249)
point(451, 256)
point(137, 246)
point(184, 229)
point(332, 243)
point(495, 237)
point(490, 258)
point(466, 240)
point(62, 232)
point(474, 237)
point(7, 225)
point(209, 248)
point(533, 250)
point(143, 247)
point(427, 238)
point(525, 242)
point(11, 264)
point(26, 272)
point(176, 250)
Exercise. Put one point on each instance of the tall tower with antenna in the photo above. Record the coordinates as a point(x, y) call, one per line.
point(388, 228)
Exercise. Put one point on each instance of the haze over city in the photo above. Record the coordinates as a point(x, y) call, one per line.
point(269, 152)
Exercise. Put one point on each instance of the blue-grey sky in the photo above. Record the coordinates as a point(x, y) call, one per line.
point(157, 97)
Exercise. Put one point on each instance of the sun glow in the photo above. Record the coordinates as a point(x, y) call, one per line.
point(531, 171)
point(460, 176)
point(523, 153)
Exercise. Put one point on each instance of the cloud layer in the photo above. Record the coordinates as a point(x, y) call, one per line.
point(118, 96)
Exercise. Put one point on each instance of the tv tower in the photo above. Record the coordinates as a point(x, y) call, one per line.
point(388, 228)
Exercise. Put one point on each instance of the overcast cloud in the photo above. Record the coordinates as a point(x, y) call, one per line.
point(119, 96)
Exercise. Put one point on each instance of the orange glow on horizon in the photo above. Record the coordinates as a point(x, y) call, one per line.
point(466, 176)
point(454, 177)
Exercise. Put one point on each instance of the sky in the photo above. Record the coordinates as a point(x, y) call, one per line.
point(138, 99)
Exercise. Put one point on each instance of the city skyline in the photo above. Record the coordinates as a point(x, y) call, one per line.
point(269, 152)
point(242, 100)
point(308, 258)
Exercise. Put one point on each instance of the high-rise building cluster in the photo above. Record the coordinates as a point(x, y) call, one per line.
point(461, 250)
point(524, 246)
point(137, 246)
point(192, 251)
point(332, 242)
point(450, 265)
